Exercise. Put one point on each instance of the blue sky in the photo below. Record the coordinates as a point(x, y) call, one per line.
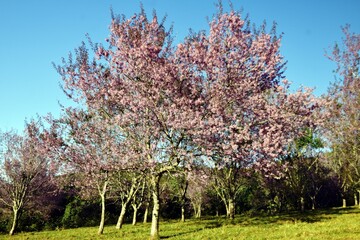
point(36, 33)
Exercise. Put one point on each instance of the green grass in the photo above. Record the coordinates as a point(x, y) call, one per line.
point(324, 224)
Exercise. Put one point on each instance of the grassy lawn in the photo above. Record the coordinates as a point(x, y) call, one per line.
point(324, 224)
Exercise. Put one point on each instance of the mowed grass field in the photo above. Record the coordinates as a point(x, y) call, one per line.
point(321, 224)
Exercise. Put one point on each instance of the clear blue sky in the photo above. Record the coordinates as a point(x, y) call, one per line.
point(38, 32)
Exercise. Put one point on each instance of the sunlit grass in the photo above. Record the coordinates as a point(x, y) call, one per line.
point(326, 224)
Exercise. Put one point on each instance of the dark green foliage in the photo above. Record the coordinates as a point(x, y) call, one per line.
point(82, 213)
point(31, 221)
point(79, 213)
point(171, 208)
point(213, 206)
point(5, 222)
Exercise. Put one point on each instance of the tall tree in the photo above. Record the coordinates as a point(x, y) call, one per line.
point(26, 168)
point(302, 167)
point(141, 89)
point(218, 93)
point(139, 198)
point(343, 124)
point(247, 115)
point(126, 186)
point(178, 185)
point(198, 185)
point(94, 152)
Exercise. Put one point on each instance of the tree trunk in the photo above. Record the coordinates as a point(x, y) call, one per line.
point(313, 202)
point(102, 221)
point(198, 214)
point(183, 201)
point(102, 196)
point(302, 204)
point(231, 209)
point(134, 214)
point(15, 220)
point(120, 221)
point(182, 213)
point(227, 209)
point(356, 199)
point(277, 203)
point(197, 210)
point(146, 213)
point(344, 203)
point(155, 181)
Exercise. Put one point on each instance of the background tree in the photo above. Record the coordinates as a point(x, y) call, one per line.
point(177, 185)
point(139, 198)
point(270, 191)
point(94, 152)
point(126, 185)
point(344, 116)
point(248, 116)
point(27, 168)
point(302, 168)
point(197, 189)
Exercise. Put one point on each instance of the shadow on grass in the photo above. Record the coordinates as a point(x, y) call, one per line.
point(310, 216)
point(195, 225)
point(180, 234)
point(262, 219)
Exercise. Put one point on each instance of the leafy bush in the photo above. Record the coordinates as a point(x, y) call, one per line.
point(4, 223)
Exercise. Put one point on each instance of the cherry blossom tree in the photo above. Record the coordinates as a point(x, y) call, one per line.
point(140, 89)
point(248, 115)
point(27, 168)
point(344, 116)
point(217, 93)
point(196, 192)
point(138, 199)
point(93, 154)
point(126, 185)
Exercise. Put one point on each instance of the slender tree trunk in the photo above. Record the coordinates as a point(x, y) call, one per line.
point(134, 214)
point(198, 214)
point(356, 199)
point(120, 221)
point(146, 213)
point(15, 220)
point(344, 203)
point(182, 213)
point(197, 210)
point(227, 209)
point(126, 200)
point(183, 201)
point(313, 202)
point(302, 204)
point(155, 181)
point(277, 204)
point(231, 208)
point(102, 220)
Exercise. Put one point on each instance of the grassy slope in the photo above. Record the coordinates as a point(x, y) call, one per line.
point(329, 224)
